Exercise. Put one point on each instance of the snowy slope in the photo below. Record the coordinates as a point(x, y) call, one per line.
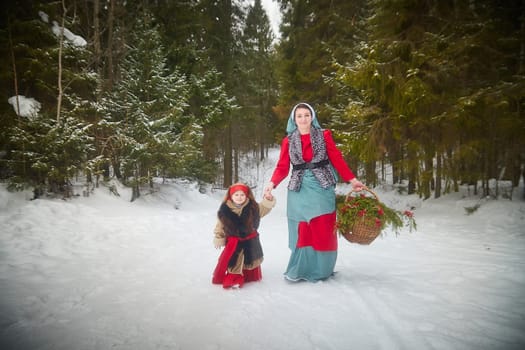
point(103, 273)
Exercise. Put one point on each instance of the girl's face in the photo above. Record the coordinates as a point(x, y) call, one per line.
point(238, 197)
point(303, 119)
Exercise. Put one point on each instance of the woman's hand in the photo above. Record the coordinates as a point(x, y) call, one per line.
point(267, 192)
point(357, 185)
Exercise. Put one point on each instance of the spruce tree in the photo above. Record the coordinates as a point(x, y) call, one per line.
point(257, 81)
point(147, 114)
point(315, 34)
point(47, 150)
point(437, 85)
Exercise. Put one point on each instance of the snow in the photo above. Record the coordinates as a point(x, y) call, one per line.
point(43, 16)
point(25, 106)
point(76, 40)
point(100, 272)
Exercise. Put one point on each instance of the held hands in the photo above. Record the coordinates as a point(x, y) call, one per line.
point(267, 192)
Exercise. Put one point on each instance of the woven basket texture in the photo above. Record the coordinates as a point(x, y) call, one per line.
point(365, 230)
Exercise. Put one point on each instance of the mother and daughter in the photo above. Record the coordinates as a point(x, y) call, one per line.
point(312, 154)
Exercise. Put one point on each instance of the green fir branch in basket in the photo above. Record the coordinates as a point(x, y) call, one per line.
point(350, 209)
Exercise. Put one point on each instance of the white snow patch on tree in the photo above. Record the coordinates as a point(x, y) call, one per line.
point(27, 106)
point(73, 38)
point(43, 16)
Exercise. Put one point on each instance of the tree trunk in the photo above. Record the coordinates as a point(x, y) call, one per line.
point(96, 41)
point(109, 67)
point(523, 175)
point(116, 169)
point(437, 188)
point(61, 44)
point(236, 147)
point(522, 70)
point(412, 169)
point(227, 181)
point(396, 159)
point(235, 165)
point(15, 85)
point(370, 173)
point(135, 187)
point(15, 78)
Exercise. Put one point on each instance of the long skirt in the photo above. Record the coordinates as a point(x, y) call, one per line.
point(236, 253)
point(311, 228)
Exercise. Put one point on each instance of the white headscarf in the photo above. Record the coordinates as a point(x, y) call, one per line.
point(291, 120)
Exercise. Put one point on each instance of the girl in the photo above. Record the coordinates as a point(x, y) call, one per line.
point(236, 229)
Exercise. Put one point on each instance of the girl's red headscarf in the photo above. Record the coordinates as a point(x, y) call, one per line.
point(238, 187)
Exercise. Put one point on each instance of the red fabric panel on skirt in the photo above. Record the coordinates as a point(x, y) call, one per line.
point(252, 275)
point(319, 233)
point(224, 258)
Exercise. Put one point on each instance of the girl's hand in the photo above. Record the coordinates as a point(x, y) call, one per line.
point(218, 243)
point(268, 197)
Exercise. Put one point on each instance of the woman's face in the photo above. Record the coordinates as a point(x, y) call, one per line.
point(303, 118)
point(238, 197)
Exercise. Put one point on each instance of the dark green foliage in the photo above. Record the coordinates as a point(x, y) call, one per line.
point(45, 150)
point(439, 80)
point(432, 89)
point(149, 122)
point(315, 34)
point(256, 81)
point(46, 154)
point(148, 115)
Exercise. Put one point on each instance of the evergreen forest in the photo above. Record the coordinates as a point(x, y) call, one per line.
point(136, 90)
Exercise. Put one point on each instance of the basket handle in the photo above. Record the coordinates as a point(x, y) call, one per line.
point(364, 188)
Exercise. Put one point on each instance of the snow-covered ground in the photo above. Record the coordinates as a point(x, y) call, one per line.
point(103, 273)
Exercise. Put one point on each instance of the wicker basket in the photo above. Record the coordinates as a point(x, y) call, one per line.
point(365, 230)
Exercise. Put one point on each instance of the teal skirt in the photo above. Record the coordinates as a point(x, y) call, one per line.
point(311, 229)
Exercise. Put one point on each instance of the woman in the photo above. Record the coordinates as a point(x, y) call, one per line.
point(311, 194)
